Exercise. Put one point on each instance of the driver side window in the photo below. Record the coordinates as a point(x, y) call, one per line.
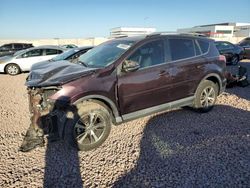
point(32, 53)
point(149, 54)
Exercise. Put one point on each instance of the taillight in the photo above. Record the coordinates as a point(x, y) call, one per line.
point(222, 58)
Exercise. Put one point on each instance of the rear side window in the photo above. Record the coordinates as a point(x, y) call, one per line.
point(204, 45)
point(52, 51)
point(18, 46)
point(181, 48)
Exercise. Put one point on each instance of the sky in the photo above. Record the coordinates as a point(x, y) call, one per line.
point(34, 19)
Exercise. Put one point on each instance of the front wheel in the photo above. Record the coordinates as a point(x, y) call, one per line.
point(90, 127)
point(12, 69)
point(205, 96)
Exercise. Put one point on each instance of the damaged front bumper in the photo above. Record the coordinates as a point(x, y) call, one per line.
point(46, 114)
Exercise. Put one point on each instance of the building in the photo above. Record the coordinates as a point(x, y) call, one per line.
point(220, 30)
point(130, 31)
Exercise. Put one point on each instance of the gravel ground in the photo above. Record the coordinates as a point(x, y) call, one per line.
point(179, 148)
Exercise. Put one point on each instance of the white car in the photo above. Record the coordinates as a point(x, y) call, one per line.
point(23, 60)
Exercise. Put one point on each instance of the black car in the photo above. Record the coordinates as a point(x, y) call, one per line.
point(10, 49)
point(72, 54)
point(233, 53)
point(245, 43)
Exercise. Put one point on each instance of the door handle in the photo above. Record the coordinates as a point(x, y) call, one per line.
point(163, 72)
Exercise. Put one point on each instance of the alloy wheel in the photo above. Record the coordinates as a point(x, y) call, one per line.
point(208, 96)
point(12, 69)
point(89, 129)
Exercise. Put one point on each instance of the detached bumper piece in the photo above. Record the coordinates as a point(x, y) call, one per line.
point(47, 117)
point(34, 136)
point(238, 80)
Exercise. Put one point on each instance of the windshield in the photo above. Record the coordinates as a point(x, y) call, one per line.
point(65, 55)
point(19, 52)
point(105, 54)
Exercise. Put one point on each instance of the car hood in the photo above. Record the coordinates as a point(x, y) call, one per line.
point(5, 59)
point(56, 73)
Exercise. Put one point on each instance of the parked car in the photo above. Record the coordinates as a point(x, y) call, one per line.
point(233, 53)
point(245, 43)
point(72, 55)
point(24, 59)
point(9, 49)
point(121, 80)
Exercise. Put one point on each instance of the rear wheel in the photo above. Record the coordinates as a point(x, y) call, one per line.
point(90, 127)
point(206, 96)
point(12, 69)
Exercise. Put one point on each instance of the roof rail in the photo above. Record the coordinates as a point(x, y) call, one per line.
point(194, 34)
point(119, 36)
point(161, 33)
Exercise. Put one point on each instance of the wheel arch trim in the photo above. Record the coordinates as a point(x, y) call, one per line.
point(106, 101)
point(218, 78)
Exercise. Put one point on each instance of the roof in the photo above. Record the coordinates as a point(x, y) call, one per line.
point(48, 46)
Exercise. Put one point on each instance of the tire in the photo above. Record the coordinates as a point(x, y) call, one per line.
point(81, 133)
point(235, 60)
point(12, 69)
point(205, 96)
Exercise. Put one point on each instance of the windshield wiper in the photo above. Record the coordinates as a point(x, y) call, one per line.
point(84, 64)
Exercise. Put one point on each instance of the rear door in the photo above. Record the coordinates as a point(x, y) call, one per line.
point(184, 68)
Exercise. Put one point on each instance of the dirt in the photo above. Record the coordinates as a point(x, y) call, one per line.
point(179, 148)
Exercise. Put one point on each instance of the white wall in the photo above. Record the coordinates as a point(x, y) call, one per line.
point(38, 42)
point(233, 40)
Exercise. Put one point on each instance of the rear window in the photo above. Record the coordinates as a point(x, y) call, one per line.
point(204, 45)
point(181, 48)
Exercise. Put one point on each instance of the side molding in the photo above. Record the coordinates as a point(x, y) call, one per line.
point(141, 113)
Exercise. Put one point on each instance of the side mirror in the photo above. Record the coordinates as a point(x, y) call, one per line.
point(130, 66)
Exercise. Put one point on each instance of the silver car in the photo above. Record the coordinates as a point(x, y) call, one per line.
point(23, 60)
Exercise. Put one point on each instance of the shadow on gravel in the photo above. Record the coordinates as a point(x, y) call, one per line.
point(182, 148)
point(62, 167)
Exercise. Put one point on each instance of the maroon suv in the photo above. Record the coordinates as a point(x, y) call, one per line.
point(121, 80)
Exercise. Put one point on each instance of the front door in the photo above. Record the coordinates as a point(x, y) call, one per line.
point(26, 60)
point(147, 86)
